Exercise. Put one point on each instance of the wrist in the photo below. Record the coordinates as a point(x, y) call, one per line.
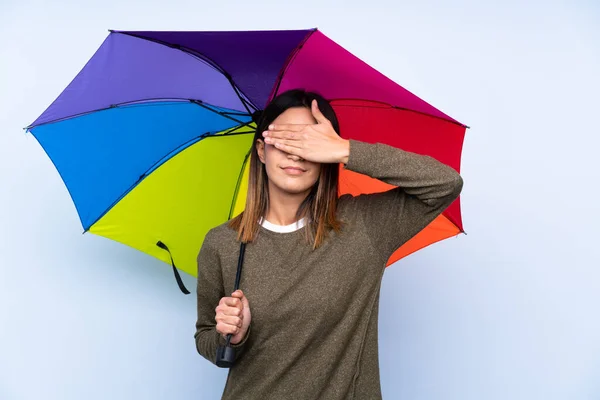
point(345, 152)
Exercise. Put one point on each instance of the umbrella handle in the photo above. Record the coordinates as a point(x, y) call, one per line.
point(225, 354)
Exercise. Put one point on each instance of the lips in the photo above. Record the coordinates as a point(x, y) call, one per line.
point(294, 170)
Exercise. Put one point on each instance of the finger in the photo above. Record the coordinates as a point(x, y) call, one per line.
point(286, 127)
point(295, 151)
point(287, 146)
point(230, 320)
point(232, 311)
point(292, 135)
point(245, 303)
point(240, 295)
point(317, 114)
point(286, 142)
point(225, 329)
point(233, 302)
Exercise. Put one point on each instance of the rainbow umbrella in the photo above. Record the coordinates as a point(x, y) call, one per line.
point(152, 137)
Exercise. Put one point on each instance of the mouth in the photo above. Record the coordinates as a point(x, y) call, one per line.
point(294, 170)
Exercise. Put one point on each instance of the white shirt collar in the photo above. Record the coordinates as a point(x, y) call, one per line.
point(283, 228)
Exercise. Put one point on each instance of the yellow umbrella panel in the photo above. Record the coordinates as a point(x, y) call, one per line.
point(182, 199)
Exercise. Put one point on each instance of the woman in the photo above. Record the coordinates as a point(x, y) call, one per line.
point(304, 325)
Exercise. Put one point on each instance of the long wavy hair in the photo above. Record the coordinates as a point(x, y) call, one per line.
point(321, 203)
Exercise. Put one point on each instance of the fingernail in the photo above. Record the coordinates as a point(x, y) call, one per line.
point(271, 127)
point(265, 133)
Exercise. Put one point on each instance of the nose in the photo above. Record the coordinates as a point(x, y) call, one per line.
point(294, 157)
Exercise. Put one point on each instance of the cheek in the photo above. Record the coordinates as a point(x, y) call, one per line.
point(316, 171)
point(272, 155)
point(272, 166)
point(313, 177)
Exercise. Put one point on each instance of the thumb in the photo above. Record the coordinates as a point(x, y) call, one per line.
point(316, 112)
point(245, 302)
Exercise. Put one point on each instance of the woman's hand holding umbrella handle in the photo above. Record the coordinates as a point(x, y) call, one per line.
point(233, 316)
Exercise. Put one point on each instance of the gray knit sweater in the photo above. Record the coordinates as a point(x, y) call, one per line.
point(313, 333)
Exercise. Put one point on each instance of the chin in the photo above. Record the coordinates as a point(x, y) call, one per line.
point(295, 187)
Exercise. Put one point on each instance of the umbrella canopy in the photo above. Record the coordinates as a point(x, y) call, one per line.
point(152, 138)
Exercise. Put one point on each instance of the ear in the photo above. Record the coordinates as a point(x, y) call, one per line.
point(260, 149)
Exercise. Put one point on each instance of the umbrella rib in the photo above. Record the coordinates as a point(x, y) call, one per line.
point(181, 148)
point(225, 115)
point(237, 186)
point(391, 106)
point(209, 61)
point(191, 52)
point(154, 101)
point(229, 132)
point(289, 61)
point(157, 164)
point(235, 113)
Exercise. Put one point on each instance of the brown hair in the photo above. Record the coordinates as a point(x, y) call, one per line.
point(320, 205)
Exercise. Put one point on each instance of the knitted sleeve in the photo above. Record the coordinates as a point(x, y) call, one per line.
point(425, 188)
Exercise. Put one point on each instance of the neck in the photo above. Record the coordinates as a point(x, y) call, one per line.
point(283, 207)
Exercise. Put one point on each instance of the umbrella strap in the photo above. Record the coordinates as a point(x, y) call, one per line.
point(175, 271)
